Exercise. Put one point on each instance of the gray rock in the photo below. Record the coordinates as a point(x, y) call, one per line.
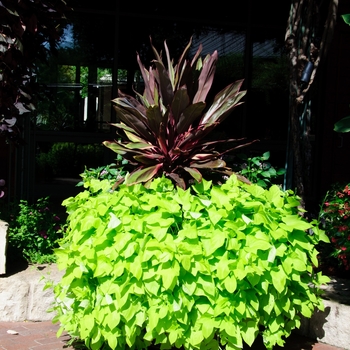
point(22, 296)
point(3, 246)
point(330, 326)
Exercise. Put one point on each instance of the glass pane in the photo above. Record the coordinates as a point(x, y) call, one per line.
point(58, 166)
point(66, 159)
point(76, 92)
point(268, 103)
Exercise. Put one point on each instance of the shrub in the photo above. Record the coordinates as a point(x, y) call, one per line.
point(68, 159)
point(199, 268)
point(33, 231)
point(113, 171)
point(259, 170)
point(335, 218)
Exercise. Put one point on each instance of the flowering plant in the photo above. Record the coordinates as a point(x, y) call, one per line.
point(335, 218)
point(33, 231)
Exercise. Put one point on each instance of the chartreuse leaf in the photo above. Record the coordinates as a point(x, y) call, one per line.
point(296, 222)
point(279, 279)
point(230, 283)
point(249, 332)
point(215, 242)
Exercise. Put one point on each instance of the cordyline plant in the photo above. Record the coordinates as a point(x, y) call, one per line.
point(164, 130)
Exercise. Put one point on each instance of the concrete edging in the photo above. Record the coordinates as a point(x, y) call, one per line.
point(22, 295)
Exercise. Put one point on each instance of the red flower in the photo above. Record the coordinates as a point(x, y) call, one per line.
point(343, 248)
point(334, 240)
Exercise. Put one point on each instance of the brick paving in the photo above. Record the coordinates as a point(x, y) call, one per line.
point(32, 336)
point(42, 336)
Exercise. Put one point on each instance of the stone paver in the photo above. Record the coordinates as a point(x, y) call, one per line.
point(42, 336)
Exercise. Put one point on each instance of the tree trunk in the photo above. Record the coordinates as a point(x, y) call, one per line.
point(305, 25)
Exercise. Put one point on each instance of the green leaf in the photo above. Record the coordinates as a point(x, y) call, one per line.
point(214, 243)
point(249, 332)
point(272, 254)
point(253, 244)
point(230, 283)
point(112, 340)
point(343, 125)
point(136, 268)
point(114, 222)
point(296, 222)
point(169, 277)
point(300, 238)
point(346, 18)
point(152, 287)
point(196, 337)
point(189, 285)
point(279, 279)
point(306, 310)
point(222, 268)
point(87, 323)
point(208, 327)
point(266, 155)
point(299, 265)
point(112, 319)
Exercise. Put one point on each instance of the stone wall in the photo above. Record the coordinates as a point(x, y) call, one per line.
point(3, 246)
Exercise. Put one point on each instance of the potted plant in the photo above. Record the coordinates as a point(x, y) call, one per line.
point(169, 256)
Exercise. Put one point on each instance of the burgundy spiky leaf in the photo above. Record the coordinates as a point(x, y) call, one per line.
point(164, 129)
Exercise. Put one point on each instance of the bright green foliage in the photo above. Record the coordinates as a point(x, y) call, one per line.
point(165, 129)
point(199, 268)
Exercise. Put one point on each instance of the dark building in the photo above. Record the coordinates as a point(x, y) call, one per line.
point(97, 56)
